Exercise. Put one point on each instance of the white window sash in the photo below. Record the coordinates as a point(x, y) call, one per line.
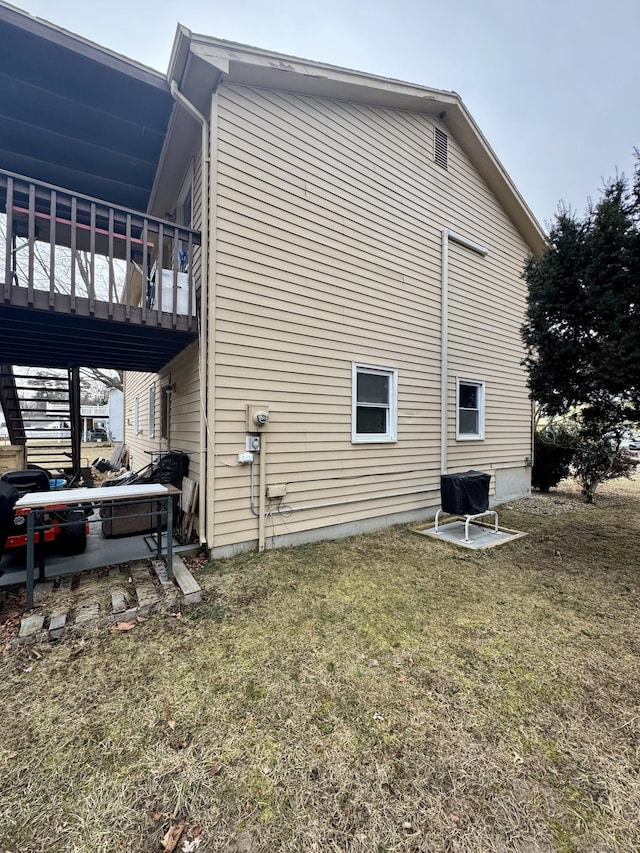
point(479, 409)
point(390, 407)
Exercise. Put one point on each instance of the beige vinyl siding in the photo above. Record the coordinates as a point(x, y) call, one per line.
point(136, 385)
point(184, 429)
point(184, 411)
point(328, 251)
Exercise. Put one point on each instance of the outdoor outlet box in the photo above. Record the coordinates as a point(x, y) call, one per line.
point(252, 443)
point(277, 491)
point(244, 458)
point(257, 416)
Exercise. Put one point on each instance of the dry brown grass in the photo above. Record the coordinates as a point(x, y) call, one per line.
point(384, 693)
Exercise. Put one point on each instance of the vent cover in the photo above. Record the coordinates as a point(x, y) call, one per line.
point(441, 148)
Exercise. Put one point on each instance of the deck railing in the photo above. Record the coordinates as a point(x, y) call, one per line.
point(61, 242)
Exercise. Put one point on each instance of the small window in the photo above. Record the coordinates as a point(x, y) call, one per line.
point(136, 416)
point(441, 148)
point(469, 409)
point(374, 403)
point(165, 409)
point(152, 411)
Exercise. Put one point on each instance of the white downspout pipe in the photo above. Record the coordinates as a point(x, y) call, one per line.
point(262, 498)
point(448, 235)
point(204, 297)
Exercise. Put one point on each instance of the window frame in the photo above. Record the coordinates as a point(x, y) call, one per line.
point(136, 415)
point(152, 411)
point(391, 435)
point(165, 412)
point(480, 384)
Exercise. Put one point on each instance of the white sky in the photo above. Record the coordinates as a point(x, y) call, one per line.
point(553, 84)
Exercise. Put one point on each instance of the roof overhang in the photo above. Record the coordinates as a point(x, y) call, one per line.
point(77, 115)
point(199, 63)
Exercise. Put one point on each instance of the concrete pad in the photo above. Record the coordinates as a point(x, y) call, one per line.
point(30, 625)
point(118, 602)
point(57, 624)
point(87, 614)
point(480, 536)
point(147, 592)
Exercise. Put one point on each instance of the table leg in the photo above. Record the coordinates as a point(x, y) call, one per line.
point(170, 536)
point(31, 531)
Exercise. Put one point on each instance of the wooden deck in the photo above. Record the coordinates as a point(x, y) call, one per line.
point(89, 283)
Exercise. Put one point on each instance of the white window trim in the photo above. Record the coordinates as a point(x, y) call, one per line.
point(136, 415)
point(479, 383)
point(152, 411)
point(392, 432)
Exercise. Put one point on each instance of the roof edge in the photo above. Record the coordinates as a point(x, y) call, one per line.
point(268, 69)
point(51, 32)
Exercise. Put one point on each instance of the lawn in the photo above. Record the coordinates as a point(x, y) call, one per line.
point(387, 692)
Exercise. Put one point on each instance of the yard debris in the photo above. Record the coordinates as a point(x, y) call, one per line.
point(77, 649)
point(215, 770)
point(122, 626)
point(173, 836)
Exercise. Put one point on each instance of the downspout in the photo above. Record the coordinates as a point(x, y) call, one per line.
point(444, 331)
point(262, 497)
point(204, 297)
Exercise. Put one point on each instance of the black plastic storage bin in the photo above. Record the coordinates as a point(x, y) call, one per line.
point(465, 494)
point(168, 467)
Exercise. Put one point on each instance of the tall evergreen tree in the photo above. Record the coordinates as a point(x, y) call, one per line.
point(582, 328)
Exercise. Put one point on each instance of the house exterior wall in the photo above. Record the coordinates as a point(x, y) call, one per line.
point(184, 411)
point(327, 245)
point(136, 388)
point(181, 373)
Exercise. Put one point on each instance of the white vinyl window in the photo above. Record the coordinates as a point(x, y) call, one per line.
point(374, 411)
point(165, 409)
point(152, 411)
point(469, 409)
point(136, 416)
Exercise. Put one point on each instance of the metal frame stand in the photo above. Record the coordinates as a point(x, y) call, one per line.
point(468, 519)
point(161, 501)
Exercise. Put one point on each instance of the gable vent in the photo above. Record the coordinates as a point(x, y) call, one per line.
point(441, 148)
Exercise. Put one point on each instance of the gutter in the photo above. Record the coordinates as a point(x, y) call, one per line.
point(204, 296)
point(447, 236)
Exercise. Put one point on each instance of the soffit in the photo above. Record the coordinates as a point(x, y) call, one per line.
point(76, 115)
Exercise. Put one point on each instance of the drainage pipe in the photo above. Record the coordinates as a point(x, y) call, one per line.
point(448, 235)
point(204, 297)
point(262, 495)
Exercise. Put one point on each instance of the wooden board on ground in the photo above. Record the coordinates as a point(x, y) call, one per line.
point(188, 505)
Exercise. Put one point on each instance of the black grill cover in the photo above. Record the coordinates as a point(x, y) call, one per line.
point(465, 494)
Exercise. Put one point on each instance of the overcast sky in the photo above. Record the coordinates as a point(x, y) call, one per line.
point(553, 84)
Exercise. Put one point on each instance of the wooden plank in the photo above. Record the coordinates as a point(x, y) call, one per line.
point(188, 491)
point(189, 587)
